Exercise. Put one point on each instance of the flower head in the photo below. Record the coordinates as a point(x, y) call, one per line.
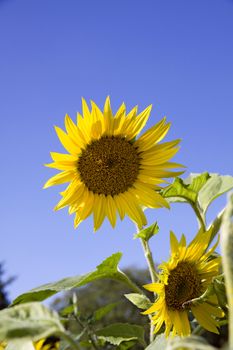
point(186, 276)
point(109, 170)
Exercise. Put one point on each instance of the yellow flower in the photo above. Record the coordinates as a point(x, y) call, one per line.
point(185, 276)
point(109, 170)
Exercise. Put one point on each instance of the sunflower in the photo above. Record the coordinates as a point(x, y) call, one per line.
point(109, 170)
point(186, 276)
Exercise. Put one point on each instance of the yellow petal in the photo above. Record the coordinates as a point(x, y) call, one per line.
point(66, 141)
point(111, 210)
point(148, 196)
point(60, 178)
point(153, 135)
point(98, 211)
point(154, 287)
point(174, 244)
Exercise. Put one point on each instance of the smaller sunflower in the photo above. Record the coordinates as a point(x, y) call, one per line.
point(185, 276)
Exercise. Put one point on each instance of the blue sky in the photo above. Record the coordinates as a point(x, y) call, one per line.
point(176, 55)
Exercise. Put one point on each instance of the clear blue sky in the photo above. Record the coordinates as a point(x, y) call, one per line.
point(175, 54)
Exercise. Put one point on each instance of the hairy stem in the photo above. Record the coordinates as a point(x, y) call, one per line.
point(90, 334)
point(149, 259)
point(200, 216)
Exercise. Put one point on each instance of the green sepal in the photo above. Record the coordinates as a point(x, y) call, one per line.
point(148, 232)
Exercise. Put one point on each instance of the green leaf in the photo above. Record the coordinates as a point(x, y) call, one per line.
point(121, 332)
point(192, 342)
point(159, 343)
point(67, 310)
point(140, 300)
point(101, 312)
point(31, 320)
point(107, 269)
point(186, 190)
point(226, 241)
point(215, 187)
point(20, 344)
point(148, 232)
point(220, 291)
point(125, 345)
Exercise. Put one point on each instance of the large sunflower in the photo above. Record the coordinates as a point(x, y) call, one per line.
point(184, 277)
point(109, 170)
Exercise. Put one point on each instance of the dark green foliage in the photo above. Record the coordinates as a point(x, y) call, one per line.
point(101, 293)
point(4, 301)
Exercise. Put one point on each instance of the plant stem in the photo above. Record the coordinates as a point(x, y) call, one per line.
point(200, 216)
point(89, 332)
point(226, 240)
point(153, 275)
point(149, 259)
point(131, 284)
point(69, 340)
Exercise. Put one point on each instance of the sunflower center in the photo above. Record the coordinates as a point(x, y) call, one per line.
point(109, 165)
point(183, 285)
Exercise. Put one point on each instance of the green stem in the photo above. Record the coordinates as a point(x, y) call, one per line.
point(131, 284)
point(227, 261)
point(89, 332)
point(149, 259)
point(153, 275)
point(69, 340)
point(200, 216)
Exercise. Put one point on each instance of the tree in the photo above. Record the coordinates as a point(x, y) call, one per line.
point(4, 301)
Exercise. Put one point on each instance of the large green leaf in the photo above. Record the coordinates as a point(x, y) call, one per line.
point(186, 190)
point(29, 320)
point(107, 269)
point(198, 189)
point(20, 344)
point(215, 187)
point(121, 332)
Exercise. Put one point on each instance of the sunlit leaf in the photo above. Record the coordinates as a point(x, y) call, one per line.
point(186, 190)
point(148, 232)
point(20, 344)
point(159, 343)
point(215, 187)
point(32, 320)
